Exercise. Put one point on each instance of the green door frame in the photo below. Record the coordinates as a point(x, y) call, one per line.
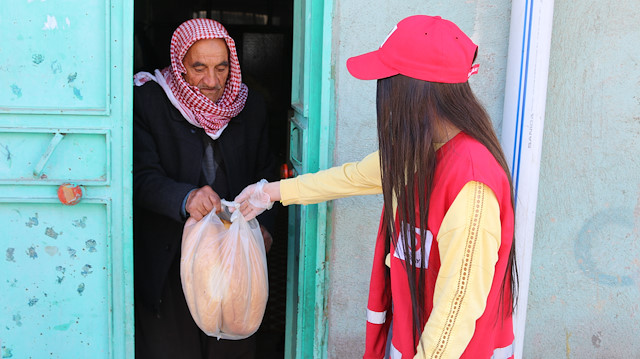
point(311, 149)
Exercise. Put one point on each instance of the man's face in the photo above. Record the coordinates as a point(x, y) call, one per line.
point(207, 64)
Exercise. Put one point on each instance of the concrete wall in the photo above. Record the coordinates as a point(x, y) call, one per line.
point(585, 287)
point(360, 26)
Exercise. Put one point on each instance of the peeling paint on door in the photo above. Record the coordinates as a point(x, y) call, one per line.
point(80, 288)
point(16, 90)
point(91, 246)
point(37, 58)
point(7, 352)
point(16, 318)
point(86, 270)
point(51, 23)
point(65, 117)
point(52, 284)
point(31, 252)
point(33, 221)
point(80, 222)
point(50, 232)
point(72, 77)
point(10, 252)
point(52, 54)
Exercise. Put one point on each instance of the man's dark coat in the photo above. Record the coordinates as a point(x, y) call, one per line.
point(167, 164)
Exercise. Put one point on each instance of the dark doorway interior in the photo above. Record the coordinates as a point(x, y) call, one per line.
point(262, 30)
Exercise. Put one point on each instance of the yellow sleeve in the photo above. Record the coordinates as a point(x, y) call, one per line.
point(350, 179)
point(468, 243)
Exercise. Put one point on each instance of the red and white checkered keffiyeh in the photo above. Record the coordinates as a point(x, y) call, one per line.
point(195, 106)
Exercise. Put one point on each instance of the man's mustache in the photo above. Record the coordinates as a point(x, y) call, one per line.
point(216, 88)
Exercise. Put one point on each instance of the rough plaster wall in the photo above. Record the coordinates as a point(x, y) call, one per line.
point(360, 26)
point(585, 286)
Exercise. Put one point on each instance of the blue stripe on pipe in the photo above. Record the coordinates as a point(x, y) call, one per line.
point(522, 95)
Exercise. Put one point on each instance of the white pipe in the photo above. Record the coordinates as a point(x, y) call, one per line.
point(523, 122)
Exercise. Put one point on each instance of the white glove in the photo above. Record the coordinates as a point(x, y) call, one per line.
point(253, 200)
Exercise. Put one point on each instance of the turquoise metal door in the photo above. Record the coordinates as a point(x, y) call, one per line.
point(65, 128)
point(310, 149)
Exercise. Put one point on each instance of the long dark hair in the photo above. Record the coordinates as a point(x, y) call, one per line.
point(408, 110)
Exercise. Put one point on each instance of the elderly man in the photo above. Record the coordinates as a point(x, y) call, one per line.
point(199, 135)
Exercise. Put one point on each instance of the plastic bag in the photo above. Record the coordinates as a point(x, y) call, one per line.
point(224, 274)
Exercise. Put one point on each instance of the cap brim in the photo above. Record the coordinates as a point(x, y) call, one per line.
point(369, 67)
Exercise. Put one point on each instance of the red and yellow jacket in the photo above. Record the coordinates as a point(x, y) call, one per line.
point(470, 231)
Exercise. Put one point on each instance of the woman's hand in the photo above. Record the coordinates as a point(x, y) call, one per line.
point(254, 200)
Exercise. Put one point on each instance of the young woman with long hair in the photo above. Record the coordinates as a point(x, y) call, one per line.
point(444, 263)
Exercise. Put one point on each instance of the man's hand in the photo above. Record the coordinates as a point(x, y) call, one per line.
point(268, 240)
point(202, 201)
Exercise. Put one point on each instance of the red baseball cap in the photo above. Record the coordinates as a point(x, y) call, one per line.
point(427, 48)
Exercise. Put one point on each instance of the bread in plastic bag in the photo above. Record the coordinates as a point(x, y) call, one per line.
point(223, 269)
